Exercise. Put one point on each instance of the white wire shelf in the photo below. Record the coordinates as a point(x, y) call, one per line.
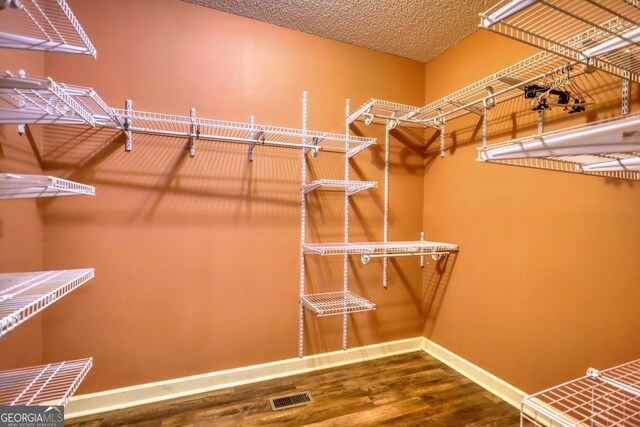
point(22, 295)
point(607, 398)
point(247, 133)
point(47, 25)
point(14, 186)
point(334, 303)
point(607, 148)
point(609, 28)
point(52, 384)
point(351, 187)
point(364, 248)
point(379, 111)
point(28, 99)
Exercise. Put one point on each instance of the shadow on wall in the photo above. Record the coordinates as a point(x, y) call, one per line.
point(436, 277)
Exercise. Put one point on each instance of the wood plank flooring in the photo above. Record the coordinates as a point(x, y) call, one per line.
point(411, 389)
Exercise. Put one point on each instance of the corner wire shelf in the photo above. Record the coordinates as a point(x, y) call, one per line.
point(45, 25)
point(28, 99)
point(51, 384)
point(379, 111)
point(609, 148)
point(351, 187)
point(23, 295)
point(253, 134)
point(601, 398)
point(334, 303)
point(610, 34)
point(14, 186)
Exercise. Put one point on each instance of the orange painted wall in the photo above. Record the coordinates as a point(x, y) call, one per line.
point(21, 223)
point(197, 260)
point(546, 281)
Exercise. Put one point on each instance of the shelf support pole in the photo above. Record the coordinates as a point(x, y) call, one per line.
point(440, 122)
point(303, 226)
point(195, 133)
point(540, 122)
point(128, 146)
point(251, 136)
point(625, 94)
point(421, 250)
point(385, 263)
point(346, 227)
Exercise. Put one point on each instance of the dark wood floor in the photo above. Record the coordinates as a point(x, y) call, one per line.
point(412, 389)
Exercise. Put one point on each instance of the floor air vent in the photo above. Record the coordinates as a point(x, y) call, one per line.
point(290, 400)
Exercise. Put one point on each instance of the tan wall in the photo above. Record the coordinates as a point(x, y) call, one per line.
point(546, 281)
point(197, 260)
point(21, 220)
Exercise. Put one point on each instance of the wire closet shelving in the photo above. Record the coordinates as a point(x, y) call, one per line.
point(45, 25)
point(23, 295)
point(18, 186)
point(351, 187)
point(601, 398)
point(51, 384)
point(332, 303)
point(609, 28)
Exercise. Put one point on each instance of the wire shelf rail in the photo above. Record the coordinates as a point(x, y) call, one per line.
point(23, 295)
point(365, 248)
point(334, 303)
point(610, 30)
point(351, 187)
point(14, 186)
point(248, 133)
point(29, 99)
point(51, 384)
point(606, 398)
point(45, 25)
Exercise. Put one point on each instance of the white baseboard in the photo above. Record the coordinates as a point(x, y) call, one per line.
point(487, 380)
point(127, 397)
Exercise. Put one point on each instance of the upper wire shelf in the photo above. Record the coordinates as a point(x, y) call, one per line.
point(334, 303)
point(46, 25)
point(248, 133)
point(364, 248)
point(22, 295)
point(607, 148)
point(28, 99)
point(609, 32)
point(51, 384)
point(351, 187)
point(607, 398)
point(378, 111)
point(14, 186)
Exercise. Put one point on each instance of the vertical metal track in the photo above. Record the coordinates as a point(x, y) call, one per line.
point(421, 250)
point(625, 94)
point(485, 110)
point(346, 227)
point(540, 122)
point(303, 225)
point(128, 146)
point(192, 138)
point(385, 263)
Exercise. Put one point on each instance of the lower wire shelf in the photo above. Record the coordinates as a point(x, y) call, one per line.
point(351, 187)
point(22, 295)
point(601, 398)
point(334, 303)
point(418, 247)
point(14, 186)
point(52, 384)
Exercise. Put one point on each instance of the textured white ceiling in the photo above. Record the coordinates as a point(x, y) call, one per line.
point(414, 29)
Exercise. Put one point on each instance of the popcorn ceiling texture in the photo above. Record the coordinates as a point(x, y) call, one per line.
point(414, 29)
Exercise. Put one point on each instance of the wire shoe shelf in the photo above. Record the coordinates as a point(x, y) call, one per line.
point(15, 186)
point(351, 187)
point(45, 25)
point(609, 28)
point(22, 295)
point(599, 399)
point(334, 303)
point(51, 384)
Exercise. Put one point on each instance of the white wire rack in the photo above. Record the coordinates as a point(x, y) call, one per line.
point(608, 148)
point(333, 303)
point(22, 295)
point(238, 132)
point(599, 399)
point(379, 111)
point(351, 187)
point(47, 25)
point(52, 384)
point(28, 99)
point(610, 34)
point(14, 186)
point(364, 248)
